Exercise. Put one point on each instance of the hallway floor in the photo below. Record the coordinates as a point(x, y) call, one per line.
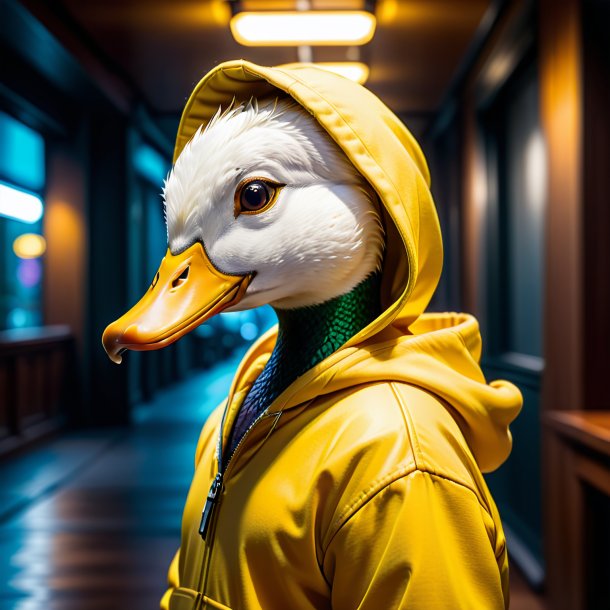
point(90, 520)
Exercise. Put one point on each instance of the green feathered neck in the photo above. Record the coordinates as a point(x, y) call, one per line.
point(306, 336)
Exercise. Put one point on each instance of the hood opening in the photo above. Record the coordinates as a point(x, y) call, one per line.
point(380, 147)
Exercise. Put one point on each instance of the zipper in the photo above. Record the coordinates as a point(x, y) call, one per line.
point(217, 484)
point(207, 525)
point(210, 502)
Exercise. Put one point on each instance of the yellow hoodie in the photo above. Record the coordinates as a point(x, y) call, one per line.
point(360, 486)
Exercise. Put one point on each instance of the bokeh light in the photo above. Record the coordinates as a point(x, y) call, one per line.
point(29, 272)
point(29, 245)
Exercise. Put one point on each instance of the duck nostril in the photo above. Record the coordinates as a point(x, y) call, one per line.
point(181, 278)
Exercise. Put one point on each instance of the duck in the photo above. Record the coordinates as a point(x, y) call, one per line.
point(344, 469)
point(263, 208)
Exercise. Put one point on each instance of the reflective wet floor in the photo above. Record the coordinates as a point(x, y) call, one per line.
point(91, 520)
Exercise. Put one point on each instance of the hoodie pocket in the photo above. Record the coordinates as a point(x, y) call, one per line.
point(188, 599)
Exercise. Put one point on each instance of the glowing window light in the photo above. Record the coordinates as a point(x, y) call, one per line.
point(150, 164)
point(19, 205)
point(354, 70)
point(29, 245)
point(289, 28)
point(22, 154)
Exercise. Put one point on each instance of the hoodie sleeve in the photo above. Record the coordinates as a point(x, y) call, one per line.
point(421, 542)
point(172, 581)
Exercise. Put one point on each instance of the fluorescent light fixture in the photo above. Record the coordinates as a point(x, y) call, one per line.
point(29, 245)
point(294, 28)
point(354, 70)
point(19, 205)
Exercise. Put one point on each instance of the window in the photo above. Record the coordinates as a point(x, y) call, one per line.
point(22, 181)
point(517, 162)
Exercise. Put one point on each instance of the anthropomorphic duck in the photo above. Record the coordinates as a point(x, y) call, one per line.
point(344, 469)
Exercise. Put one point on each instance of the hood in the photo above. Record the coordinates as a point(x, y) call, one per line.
point(376, 142)
point(437, 352)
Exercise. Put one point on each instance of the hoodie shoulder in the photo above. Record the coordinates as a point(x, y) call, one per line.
point(376, 434)
point(439, 447)
point(401, 429)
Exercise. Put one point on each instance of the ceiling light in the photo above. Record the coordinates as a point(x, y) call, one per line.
point(29, 245)
point(290, 28)
point(354, 70)
point(19, 205)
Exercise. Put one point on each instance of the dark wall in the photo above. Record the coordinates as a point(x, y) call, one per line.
point(596, 63)
point(107, 269)
point(442, 149)
point(90, 182)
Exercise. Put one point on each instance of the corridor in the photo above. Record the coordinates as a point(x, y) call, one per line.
point(91, 520)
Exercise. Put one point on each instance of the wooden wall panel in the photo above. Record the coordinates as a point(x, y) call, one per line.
point(596, 209)
point(574, 60)
point(561, 111)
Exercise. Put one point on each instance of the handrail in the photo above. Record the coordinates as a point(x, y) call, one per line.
point(590, 428)
point(36, 374)
point(40, 335)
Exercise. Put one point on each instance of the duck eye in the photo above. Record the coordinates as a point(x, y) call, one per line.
point(254, 196)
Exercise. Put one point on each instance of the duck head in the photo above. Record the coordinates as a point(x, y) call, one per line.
point(261, 207)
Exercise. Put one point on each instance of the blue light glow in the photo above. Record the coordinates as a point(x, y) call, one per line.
point(17, 318)
point(20, 205)
point(248, 331)
point(150, 164)
point(231, 321)
point(22, 155)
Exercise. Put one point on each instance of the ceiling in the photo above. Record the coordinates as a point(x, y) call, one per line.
point(163, 47)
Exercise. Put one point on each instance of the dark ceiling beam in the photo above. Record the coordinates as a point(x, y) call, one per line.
point(27, 36)
point(48, 119)
point(483, 32)
point(49, 39)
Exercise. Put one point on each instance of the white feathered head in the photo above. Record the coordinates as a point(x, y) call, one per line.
point(262, 207)
point(320, 237)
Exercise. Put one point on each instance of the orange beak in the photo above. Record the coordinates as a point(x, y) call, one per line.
point(186, 291)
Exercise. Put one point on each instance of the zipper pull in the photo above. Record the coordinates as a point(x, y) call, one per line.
point(210, 502)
